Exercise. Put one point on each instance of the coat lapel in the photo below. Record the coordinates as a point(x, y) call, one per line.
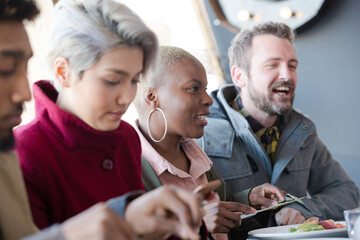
point(291, 140)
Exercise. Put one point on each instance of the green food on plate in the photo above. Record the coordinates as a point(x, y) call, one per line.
point(307, 227)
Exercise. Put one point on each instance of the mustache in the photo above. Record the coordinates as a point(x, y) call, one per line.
point(19, 108)
point(7, 143)
point(282, 84)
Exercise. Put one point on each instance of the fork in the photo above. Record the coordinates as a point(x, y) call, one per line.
point(288, 199)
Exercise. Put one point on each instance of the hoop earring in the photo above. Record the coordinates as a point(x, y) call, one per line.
point(148, 128)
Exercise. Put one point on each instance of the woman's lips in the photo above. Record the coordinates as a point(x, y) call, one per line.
point(201, 119)
point(117, 115)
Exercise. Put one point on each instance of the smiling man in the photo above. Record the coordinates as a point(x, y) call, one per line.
point(254, 135)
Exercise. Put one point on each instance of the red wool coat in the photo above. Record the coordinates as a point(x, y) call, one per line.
point(68, 166)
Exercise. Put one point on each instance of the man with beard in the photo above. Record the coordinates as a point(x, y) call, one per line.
point(254, 136)
point(144, 216)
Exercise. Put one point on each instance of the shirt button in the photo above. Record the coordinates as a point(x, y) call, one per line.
point(107, 165)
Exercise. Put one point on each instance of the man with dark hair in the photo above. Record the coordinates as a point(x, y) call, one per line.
point(254, 136)
point(101, 221)
point(18, 10)
point(13, 13)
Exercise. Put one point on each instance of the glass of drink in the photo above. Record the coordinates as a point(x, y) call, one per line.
point(352, 218)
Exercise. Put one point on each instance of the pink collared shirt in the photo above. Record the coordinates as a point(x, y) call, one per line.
point(168, 173)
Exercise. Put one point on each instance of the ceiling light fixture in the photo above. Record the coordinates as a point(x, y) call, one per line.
point(285, 13)
point(239, 14)
point(244, 15)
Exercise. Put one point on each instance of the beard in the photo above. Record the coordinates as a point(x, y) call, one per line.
point(265, 102)
point(7, 143)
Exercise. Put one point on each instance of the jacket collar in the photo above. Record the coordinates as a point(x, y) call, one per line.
point(295, 129)
point(226, 94)
point(66, 127)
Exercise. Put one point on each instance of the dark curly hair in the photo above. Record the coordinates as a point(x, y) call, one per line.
point(18, 10)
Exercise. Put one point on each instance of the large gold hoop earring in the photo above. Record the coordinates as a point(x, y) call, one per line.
point(148, 128)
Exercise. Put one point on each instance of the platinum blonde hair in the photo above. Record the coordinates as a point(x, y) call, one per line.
point(240, 49)
point(83, 30)
point(169, 58)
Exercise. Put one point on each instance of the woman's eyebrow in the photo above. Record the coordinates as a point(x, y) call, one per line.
point(195, 80)
point(120, 72)
point(117, 71)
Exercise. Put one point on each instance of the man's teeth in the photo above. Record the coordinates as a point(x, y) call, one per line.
point(201, 117)
point(282, 89)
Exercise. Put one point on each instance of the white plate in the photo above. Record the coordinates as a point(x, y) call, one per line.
point(282, 232)
point(324, 238)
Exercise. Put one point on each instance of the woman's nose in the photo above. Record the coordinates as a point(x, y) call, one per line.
point(207, 100)
point(126, 95)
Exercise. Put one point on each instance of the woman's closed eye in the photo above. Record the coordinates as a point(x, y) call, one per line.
point(111, 83)
point(135, 81)
point(117, 82)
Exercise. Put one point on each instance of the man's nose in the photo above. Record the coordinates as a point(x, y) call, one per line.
point(21, 90)
point(285, 74)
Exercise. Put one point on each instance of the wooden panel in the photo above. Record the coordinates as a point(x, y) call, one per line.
point(221, 16)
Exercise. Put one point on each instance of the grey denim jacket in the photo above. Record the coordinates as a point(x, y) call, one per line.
point(303, 165)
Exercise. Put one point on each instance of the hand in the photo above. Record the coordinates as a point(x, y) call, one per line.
point(265, 195)
point(165, 211)
point(97, 223)
point(206, 191)
point(289, 216)
point(221, 217)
